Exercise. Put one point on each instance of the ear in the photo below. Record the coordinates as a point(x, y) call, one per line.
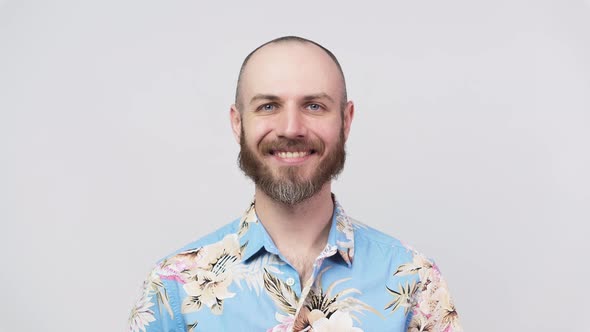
point(348, 115)
point(236, 122)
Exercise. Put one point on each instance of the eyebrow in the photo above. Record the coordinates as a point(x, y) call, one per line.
point(264, 97)
point(321, 95)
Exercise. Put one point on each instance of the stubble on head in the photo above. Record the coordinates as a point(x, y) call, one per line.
point(289, 39)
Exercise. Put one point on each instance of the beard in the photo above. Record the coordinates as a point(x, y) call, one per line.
point(288, 187)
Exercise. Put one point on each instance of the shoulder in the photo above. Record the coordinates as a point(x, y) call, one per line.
point(174, 270)
point(413, 280)
point(212, 238)
point(364, 232)
point(375, 240)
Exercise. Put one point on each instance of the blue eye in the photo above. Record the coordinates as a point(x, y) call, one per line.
point(314, 107)
point(267, 107)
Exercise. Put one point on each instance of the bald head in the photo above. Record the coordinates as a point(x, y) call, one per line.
point(286, 41)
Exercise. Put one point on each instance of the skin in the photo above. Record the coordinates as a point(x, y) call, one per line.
point(293, 90)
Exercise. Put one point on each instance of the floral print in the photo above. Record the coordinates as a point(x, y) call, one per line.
point(207, 282)
point(404, 297)
point(339, 321)
point(141, 314)
point(433, 309)
point(286, 323)
point(317, 301)
point(235, 279)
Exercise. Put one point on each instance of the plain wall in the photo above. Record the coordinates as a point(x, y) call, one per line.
point(470, 142)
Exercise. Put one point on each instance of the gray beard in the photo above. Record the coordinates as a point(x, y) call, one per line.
point(290, 191)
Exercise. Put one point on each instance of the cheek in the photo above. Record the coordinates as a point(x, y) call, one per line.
point(330, 134)
point(255, 132)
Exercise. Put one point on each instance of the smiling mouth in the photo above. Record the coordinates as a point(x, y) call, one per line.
point(292, 154)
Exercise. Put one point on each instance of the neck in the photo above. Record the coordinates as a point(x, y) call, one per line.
point(301, 228)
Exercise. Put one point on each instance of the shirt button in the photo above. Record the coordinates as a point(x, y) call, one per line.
point(290, 281)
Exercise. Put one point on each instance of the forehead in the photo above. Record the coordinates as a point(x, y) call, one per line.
point(291, 69)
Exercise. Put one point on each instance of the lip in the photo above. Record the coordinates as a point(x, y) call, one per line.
point(293, 160)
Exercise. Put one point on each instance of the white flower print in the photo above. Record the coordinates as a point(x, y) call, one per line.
point(339, 321)
point(141, 314)
point(432, 305)
point(208, 283)
point(419, 264)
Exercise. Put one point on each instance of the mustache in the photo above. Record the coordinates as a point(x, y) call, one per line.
point(289, 144)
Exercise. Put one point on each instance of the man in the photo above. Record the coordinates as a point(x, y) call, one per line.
point(294, 261)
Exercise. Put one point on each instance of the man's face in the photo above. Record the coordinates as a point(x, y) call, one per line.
point(291, 126)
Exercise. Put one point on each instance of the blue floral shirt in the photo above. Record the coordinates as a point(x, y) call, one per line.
point(235, 279)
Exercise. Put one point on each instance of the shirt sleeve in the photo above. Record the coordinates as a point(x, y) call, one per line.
point(433, 308)
point(152, 312)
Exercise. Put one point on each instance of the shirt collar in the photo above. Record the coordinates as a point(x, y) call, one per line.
point(253, 237)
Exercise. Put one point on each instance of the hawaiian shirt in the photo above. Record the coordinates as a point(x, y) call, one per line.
point(235, 279)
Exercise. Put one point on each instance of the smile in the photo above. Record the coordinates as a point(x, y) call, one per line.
point(292, 155)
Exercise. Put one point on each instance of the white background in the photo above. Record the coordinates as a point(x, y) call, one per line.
point(470, 142)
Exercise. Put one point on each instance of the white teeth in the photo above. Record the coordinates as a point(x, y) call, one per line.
point(287, 155)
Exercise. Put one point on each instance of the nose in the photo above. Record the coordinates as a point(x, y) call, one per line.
point(292, 123)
